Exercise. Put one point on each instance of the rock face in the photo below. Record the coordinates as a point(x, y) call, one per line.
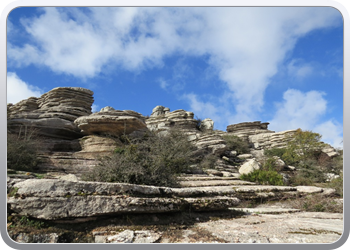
point(111, 122)
point(52, 114)
point(249, 166)
point(58, 199)
point(162, 119)
point(245, 129)
point(207, 124)
point(271, 140)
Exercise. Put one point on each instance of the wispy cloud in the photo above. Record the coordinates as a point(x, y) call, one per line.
point(299, 70)
point(305, 111)
point(18, 90)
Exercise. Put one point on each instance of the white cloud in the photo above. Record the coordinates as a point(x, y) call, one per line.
point(244, 45)
point(305, 111)
point(299, 110)
point(332, 133)
point(18, 90)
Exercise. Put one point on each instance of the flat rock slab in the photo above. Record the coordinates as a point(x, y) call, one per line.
point(208, 178)
point(214, 183)
point(267, 210)
point(303, 227)
point(129, 236)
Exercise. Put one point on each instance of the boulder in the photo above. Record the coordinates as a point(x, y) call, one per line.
point(249, 166)
point(207, 125)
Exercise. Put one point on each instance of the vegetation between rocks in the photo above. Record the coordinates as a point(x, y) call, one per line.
point(155, 159)
point(22, 149)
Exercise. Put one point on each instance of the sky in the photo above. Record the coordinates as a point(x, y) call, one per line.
point(282, 65)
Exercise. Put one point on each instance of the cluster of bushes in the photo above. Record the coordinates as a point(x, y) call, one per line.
point(267, 175)
point(235, 143)
point(22, 149)
point(154, 159)
point(304, 152)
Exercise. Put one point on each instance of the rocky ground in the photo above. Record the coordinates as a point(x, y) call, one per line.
point(257, 218)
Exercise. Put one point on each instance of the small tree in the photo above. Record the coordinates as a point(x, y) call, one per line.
point(302, 145)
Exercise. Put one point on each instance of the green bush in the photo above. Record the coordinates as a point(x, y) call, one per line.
point(157, 159)
point(275, 152)
point(264, 177)
point(235, 143)
point(22, 150)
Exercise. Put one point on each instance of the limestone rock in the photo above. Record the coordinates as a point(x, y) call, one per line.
point(95, 146)
point(162, 119)
point(111, 122)
point(207, 124)
point(213, 142)
point(245, 129)
point(52, 114)
point(271, 140)
point(249, 166)
point(279, 163)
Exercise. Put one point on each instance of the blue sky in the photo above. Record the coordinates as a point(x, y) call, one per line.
point(232, 64)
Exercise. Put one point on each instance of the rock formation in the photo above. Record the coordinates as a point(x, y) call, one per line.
point(52, 115)
point(72, 140)
point(111, 122)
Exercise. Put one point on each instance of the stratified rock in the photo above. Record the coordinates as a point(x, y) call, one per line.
point(161, 119)
point(52, 114)
point(245, 129)
point(215, 143)
point(111, 122)
point(159, 110)
point(271, 140)
point(207, 125)
point(95, 146)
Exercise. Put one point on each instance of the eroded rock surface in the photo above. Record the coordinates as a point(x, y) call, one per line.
point(111, 122)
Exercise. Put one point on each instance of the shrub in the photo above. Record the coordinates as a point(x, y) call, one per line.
point(317, 203)
point(275, 152)
point(235, 143)
point(265, 177)
point(157, 159)
point(22, 150)
point(301, 146)
point(208, 161)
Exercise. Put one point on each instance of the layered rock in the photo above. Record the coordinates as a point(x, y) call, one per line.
point(52, 114)
point(245, 129)
point(111, 122)
point(271, 140)
point(57, 199)
point(162, 119)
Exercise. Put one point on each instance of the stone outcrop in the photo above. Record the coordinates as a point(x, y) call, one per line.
point(207, 125)
point(111, 122)
point(162, 119)
point(271, 140)
point(58, 199)
point(52, 114)
point(245, 129)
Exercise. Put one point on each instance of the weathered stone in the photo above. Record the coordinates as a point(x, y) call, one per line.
point(95, 146)
point(126, 236)
point(245, 129)
point(249, 166)
point(271, 140)
point(111, 122)
point(162, 119)
point(52, 114)
point(69, 177)
point(207, 124)
point(245, 156)
point(34, 238)
point(279, 163)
